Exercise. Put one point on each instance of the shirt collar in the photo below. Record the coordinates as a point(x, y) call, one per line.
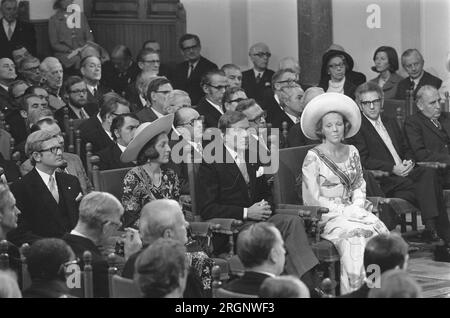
point(194, 64)
point(122, 148)
point(417, 80)
point(91, 88)
point(73, 232)
point(4, 87)
point(78, 111)
point(46, 177)
point(257, 72)
point(6, 24)
point(157, 113)
point(219, 108)
point(143, 100)
point(374, 122)
point(292, 117)
point(101, 123)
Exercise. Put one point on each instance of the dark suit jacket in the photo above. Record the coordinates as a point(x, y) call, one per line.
point(405, 84)
point(426, 141)
point(373, 151)
point(146, 115)
point(24, 35)
point(254, 90)
point(93, 102)
point(47, 289)
point(132, 95)
point(248, 284)
point(390, 87)
point(93, 132)
point(276, 116)
point(211, 114)
point(17, 126)
point(110, 158)
point(41, 216)
point(356, 78)
point(10, 169)
point(349, 87)
point(362, 292)
point(81, 244)
point(119, 82)
point(59, 116)
point(296, 138)
point(193, 289)
point(191, 85)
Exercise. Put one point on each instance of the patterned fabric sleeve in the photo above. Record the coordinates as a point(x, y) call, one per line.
point(359, 185)
point(131, 199)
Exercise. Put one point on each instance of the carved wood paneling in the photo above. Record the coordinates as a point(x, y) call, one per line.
point(43, 43)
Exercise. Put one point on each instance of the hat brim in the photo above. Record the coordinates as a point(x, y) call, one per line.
point(326, 103)
point(144, 134)
point(333, 53)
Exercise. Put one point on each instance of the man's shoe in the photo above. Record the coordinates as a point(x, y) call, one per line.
point(442, 254)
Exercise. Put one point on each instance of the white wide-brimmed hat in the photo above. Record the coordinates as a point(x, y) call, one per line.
point(144, 133)
point(325, 103)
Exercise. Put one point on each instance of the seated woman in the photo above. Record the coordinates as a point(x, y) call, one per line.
point(386, 63)
point(335, 66)
point(333, 178)
point(149, 180)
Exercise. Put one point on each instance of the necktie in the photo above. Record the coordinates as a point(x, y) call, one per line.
point(94, 91)
point(10, 32)
point(243, 168)
point(258, 78)
point(413, 85)
point(191, 69)
point(436, 123)
point(82, 116)
point(53, 188)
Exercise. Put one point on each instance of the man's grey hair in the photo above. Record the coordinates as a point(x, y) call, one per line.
point(421, 92)
point(96, 208)
point(175, 94)
point(410, 52)
point(45, 64)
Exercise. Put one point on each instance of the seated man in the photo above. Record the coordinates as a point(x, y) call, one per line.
point(29, 70)
point(47, 263)
point(72, 164)
point(156, 94)
point(234, 75)
point(383, 252)
point(177, 99)
point(232, 97)
point(122, 130)
point(382, 147)
point(413, 62)
point(99, 219)
point(47, 199)
point(229, 188)
point(52, 77)
point(260, 248)
point(161, 270)
point(163, 219)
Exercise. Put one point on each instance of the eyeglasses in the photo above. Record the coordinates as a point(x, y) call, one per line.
point(64, 266)
point(260, 118)
point(262, 54)
point(336, 66)
point(190, 48)
point(163, 92)
point(191, 122)
point(32, 69)
point(413, 65)
point(53, 150)
point(219, 87)
point(152, 62)
point(79, 91)
point(375, 102)
point(237, 100)
point(289, 83)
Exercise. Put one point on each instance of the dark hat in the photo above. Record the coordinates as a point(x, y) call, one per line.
point(333, 53)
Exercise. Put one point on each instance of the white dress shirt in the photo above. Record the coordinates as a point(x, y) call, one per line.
point(6, 26)
point(91, 88)
point(219, 108)
point(383, 133)
point(101, 123)
point(122, 148)
point(46, 178)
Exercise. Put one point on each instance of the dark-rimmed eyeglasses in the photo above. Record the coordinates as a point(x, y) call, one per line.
point(79, 91)
point(189, 48)
point(289, 83)
point(219, 87)
point(237, 100)
point(53, 150)
point(260, 118)
point(262, 54)
point(375, 102)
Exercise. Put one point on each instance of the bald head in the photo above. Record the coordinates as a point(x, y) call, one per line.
point(162, 218)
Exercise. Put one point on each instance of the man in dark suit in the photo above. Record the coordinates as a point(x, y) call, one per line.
point(91, 69)
point(286, 105)
point(53, 74)
point(7, 76)
point(230, 188)
point(256, 80)
point(156, 95)
point(382, 146)
point(382, 253)
point(100, 214)
point(260, 248)
point(75, 94)
point(122, 130)
point(428, 131)
point(413, 62)
point(164, 69)
point(214, 85)
point(13, 32)
point(120, 71)
point(187, 75)
point(163, 219)
point(47, 199)
point(97, 129)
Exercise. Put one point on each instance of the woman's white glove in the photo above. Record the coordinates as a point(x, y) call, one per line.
point(355, 212)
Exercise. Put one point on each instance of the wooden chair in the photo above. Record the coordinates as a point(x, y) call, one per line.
point(219, 292)
point(446, 106)
point(2, 121)
point(396, 108)
point(109, 180)
point(87, 280)
point(284, 135)
point(25, 280)
point(73, 134)
point(120, 287)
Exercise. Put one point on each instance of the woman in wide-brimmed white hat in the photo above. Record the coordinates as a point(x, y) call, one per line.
point(332, 177)
point(149, 180)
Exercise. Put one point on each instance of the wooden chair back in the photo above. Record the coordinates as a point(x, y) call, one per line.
point(86, 290)
point(110, 181)
point(4, 257)
point(25, 280)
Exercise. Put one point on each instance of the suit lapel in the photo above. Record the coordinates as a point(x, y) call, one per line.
point(374, 134)
point(234, 171)
point(65, 201)
point(427, 122)
point(3, 35)
point(393, 134)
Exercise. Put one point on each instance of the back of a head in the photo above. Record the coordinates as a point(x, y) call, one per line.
point(46, 257)
point(98, 207)
point(387, 251)
point(283, 287)
point(159, 267)
point(396, 283)
point(8, 285)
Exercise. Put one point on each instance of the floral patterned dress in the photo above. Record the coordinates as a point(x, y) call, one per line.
point(138, 190)
point(341, 188)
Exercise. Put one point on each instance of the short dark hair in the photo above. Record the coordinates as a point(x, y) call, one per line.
point(278, 74)
point(319, 125)
point(110, 102)
point(206, 78)
point(148, 152)
point(84, 60)
point(255, 243)
point(230, 91)
point(144, 52)
point(368, 87)
point(122, 49)
point(147, 42)
point(245, 104)
point(391, 55)
point(31, 89)
point(70, 81)
point(118, 123)
point(229, 118)
point(46, 257)
point(186, 37)
point(385, 250)
point(159, 267)
point(155, 85)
